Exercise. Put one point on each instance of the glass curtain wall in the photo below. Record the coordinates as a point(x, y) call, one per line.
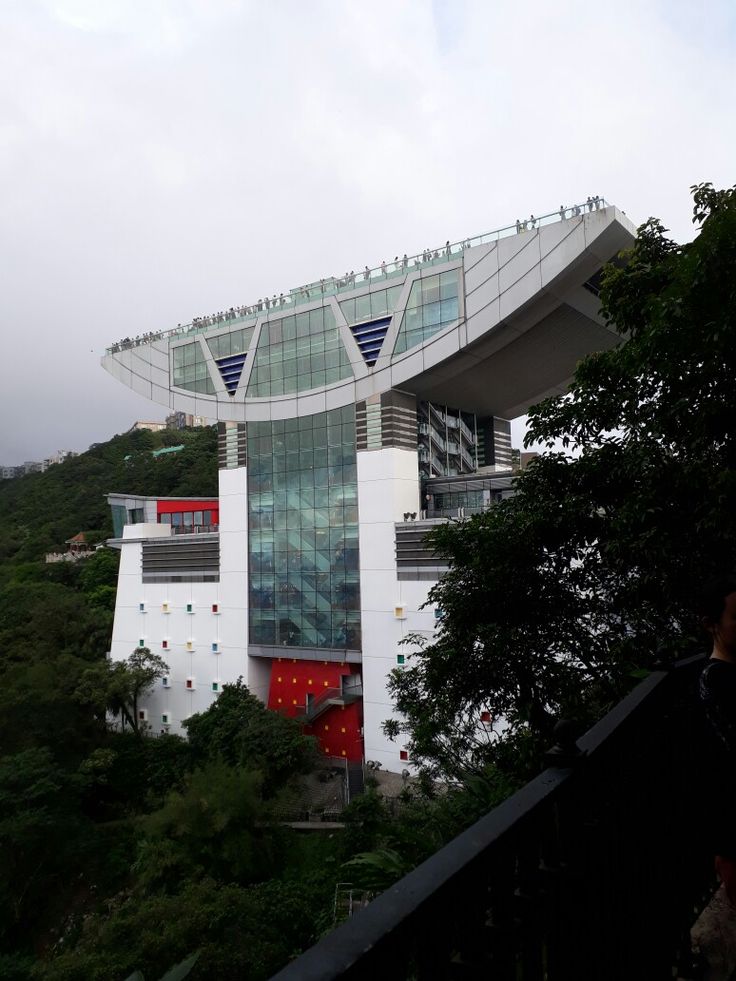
point(190, 369)
point(298, 353)
point(432, 305)
point(378, 303)
point(303, 532)
point(227, 345)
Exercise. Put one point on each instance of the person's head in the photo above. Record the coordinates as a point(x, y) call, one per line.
point(718, 614)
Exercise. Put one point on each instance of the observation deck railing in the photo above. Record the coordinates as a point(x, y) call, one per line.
point(593, 871)
point(380, 275)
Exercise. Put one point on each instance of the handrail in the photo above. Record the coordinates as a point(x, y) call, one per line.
point(334, 285)
point(314, 707)
point(591, 870)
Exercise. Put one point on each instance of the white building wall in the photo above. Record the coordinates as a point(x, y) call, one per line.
point(388, 485)
point(234, 584)
point(190, 636)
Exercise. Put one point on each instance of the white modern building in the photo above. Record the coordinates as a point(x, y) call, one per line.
point(352, 414)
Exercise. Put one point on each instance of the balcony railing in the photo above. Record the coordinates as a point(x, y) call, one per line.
point(379, 275)
point(591, 872)
point(194, 529)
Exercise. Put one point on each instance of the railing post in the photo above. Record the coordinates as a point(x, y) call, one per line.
point(562, 869)
point(565, 752)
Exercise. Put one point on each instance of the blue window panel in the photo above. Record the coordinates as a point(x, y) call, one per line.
point(231, 369)
point(369, 337)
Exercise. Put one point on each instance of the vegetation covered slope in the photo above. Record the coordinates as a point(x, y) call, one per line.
point(42, 510)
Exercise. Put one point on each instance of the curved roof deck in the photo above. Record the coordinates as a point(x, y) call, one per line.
point(525, 312)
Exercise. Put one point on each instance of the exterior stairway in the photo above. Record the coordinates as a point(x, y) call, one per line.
point(329, 698)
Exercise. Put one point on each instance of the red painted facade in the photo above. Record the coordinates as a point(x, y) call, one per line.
point(181, 507)
point(339, 728)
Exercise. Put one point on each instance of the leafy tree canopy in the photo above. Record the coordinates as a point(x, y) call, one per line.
point(557, 596)
point(118, 686)
point(239, 729)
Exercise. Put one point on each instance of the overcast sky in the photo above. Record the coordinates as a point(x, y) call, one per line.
point(161, 159)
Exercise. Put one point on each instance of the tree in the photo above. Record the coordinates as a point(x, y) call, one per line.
point(119, 686)
point(240, 932)
point(207, 828)
point(39, 835)
point(555, 598)
point(240, 729)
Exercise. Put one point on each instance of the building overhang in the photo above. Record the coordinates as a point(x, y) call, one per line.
point(525, 320)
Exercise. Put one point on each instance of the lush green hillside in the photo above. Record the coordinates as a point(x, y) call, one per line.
point(121, 852)
point(42, 510)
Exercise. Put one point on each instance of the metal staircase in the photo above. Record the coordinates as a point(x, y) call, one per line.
point(330, 697)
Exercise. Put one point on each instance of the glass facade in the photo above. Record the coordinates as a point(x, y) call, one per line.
point(303, 532)
point(298, 353)
point(119, 519)
point(433, 304)
point(236, 342)
point(380, 303)
point(190, 369)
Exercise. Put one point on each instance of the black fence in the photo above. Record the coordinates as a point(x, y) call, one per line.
point(594, 870)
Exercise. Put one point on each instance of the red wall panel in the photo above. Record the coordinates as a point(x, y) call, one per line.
point(339, 729)
point(177, 507)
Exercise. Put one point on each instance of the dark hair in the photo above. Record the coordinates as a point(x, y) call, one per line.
point(713, 597)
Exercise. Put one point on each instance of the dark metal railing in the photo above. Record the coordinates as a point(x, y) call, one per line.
point(593, 870)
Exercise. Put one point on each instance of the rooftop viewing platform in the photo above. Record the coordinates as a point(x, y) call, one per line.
point(335, 285)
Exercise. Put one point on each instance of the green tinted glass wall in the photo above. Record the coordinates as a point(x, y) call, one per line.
point(433, 304)
point(297, 353)
point(227, 345)
point(119, 519)
point(303, 532)
point(189, 369)
point(377, 303)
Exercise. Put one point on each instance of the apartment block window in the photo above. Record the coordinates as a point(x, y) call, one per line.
point(165, 719)
point(400, 611)
point(486, 718)
point(215, 647)
point(190, 684)
point(165, 682)
point(165, 644)
point(141, 607)
point(215, 686)
point(400, 658)
point(142, 715)
point(215, 607)
point(141, 641)
point(165, 607)
point(190, 645)
point(404, 755)
point(190, 607)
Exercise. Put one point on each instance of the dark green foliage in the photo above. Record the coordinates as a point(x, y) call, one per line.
point(128, 775)
point(208, 828)
point(240, 730)
point(243, 934)
point(385, 840)
point(557, 598)
point(70, 790)
point(38, 831)
point(119, 686)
